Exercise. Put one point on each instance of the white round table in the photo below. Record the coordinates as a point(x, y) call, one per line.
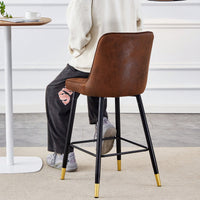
point(11, 164)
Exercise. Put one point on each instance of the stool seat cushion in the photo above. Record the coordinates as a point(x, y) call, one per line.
point(76, 84)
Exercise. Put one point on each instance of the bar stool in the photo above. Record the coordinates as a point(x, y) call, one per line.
point(120, 68)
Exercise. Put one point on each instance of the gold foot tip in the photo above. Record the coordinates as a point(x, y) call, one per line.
point(63, 173)
point(119, 165)
point(96, 192)
point(158, 180)
point(159, 185)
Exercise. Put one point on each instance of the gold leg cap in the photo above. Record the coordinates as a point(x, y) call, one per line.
point(96, 192)
point(158, 180)
point(63, 173)
point(119, 165)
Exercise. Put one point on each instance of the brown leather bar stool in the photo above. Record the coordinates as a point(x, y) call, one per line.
point(120, 68)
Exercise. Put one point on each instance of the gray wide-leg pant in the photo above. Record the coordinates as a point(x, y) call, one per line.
point(58, 104)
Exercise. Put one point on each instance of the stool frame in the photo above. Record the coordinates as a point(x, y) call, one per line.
point(118, 139)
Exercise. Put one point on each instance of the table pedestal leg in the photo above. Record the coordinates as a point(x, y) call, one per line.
point(8, 95)
point(11, 164)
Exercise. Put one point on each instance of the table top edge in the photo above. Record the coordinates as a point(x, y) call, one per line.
point(43, 20)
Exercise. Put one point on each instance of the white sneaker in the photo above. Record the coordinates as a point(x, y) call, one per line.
point(108, 131)
point(55, 160)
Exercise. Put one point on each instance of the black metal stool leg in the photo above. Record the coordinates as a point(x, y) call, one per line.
point(69, 134)
point(118, 134)
point(99, 146)
point(148, 138)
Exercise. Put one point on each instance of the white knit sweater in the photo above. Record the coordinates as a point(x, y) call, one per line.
point(88, 20)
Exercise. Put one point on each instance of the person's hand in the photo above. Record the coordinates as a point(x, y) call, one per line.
point(64, 95)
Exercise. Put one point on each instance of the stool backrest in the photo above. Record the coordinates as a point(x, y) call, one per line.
point(120, 66)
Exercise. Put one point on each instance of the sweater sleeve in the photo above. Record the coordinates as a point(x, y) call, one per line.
point(139, 16)
point(79, 20)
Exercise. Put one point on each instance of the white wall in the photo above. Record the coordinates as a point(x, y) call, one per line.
point(40, 53)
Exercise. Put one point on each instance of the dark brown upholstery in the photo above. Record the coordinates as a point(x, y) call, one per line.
point(120, 66)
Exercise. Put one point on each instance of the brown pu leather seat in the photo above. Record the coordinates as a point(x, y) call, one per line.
point(120, 68)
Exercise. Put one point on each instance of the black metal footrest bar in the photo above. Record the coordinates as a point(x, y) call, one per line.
point(84, 150)
point(144, 148)
point(123, 153)
point(129, 141)
point(93, 140)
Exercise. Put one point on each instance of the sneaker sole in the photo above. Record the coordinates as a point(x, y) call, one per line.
point(107, 145)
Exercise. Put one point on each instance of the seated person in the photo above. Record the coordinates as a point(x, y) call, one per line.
point(87, 20)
